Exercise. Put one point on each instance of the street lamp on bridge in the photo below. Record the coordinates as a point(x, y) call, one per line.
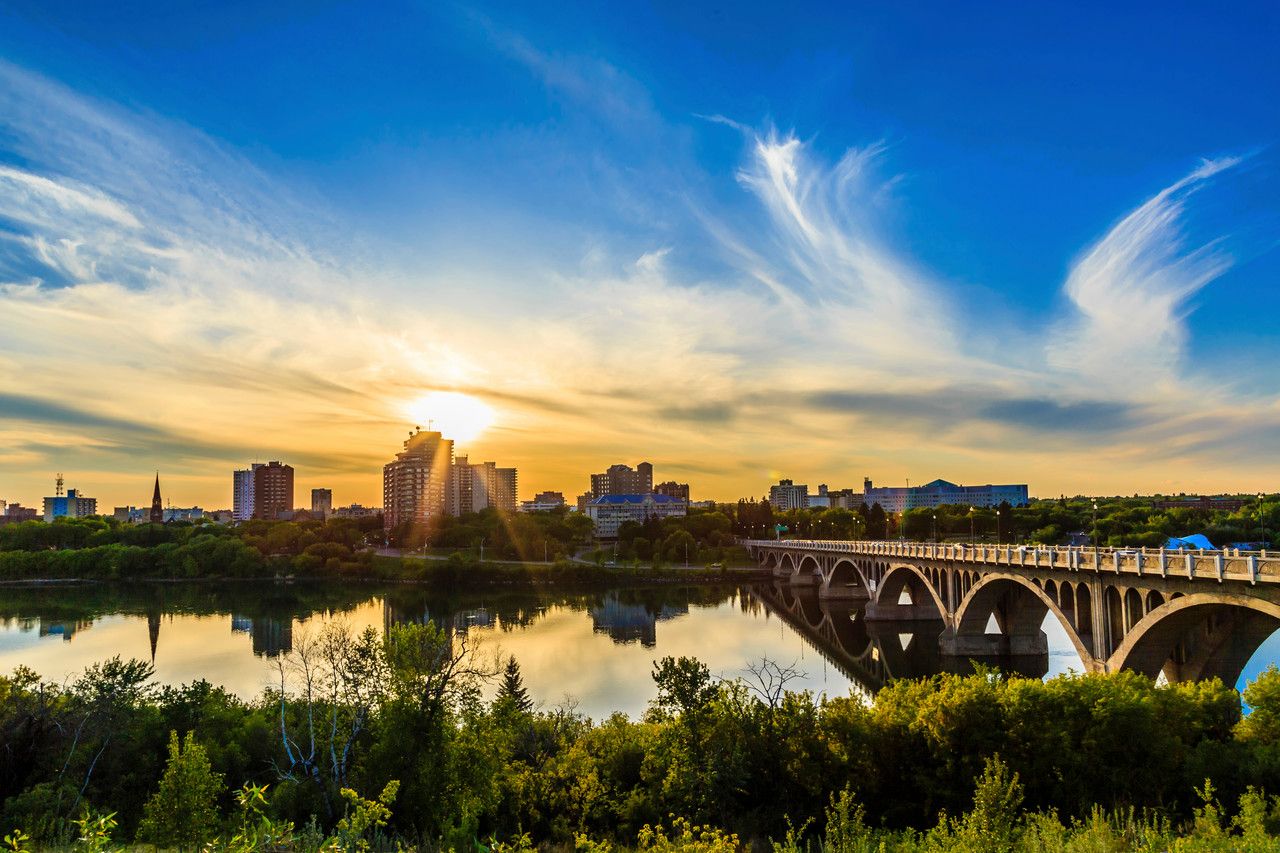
point(1262, 519)
point(999, 536)
point(935, 527)
point(1095, 533)
point(972, 536)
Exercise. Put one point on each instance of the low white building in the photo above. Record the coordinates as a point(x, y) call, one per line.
point(609, 512)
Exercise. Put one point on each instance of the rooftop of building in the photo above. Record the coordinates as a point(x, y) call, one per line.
point(605, 500)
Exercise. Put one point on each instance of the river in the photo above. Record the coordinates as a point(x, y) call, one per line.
point(592, 650)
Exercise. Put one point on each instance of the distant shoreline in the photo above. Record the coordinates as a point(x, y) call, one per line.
point(416, 572)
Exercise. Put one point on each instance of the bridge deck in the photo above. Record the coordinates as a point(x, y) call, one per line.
point(1222, 565)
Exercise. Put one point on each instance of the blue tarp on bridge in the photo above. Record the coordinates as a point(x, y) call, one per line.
point(1194, 542)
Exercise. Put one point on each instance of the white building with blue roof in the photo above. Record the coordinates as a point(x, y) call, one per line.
point(609, 512)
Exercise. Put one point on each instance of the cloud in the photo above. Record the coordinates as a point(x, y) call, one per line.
point(163, 301)
point(1130, 290)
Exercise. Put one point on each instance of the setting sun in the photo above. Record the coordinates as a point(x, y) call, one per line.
point(460, 417)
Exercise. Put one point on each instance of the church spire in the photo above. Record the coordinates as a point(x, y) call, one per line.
point(157, 508)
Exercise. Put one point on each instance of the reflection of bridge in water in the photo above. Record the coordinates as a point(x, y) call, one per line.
point(1188, 615)
point(869, 653)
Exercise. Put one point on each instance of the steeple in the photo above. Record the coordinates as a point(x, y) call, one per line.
point(153, 631)
point(157, 508)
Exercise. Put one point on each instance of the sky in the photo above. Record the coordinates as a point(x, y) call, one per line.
point(1010, 243)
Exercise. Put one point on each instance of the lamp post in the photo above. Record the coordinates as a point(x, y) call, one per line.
point(1095, 533)
point(1262, 519)
point(935, 527)
point(972, 536)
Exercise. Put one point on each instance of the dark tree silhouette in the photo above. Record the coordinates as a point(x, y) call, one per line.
point(512, 692)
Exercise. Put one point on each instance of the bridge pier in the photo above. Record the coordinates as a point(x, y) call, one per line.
point(902, 612)
point(954, 644)
point(840, 592)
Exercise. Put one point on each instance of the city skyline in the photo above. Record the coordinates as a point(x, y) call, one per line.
point(1037, 247)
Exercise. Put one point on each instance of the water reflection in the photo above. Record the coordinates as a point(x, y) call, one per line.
point(592, 649)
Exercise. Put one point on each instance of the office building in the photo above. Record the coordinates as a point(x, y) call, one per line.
point(543, 502)
point(273, 491)
point(242, 493)
point(787, 495)
point(321, 503)
point(70, 505)
point(623, 480)
point(416, 484)
point(822, 500)
point(939, 492)
point(672, 489)
point(844, 499)
point(609, 512)
point(16, 513)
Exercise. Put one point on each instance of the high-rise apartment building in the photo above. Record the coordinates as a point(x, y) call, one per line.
point(272, 490)
point(479, 485)
point(505, 483)
point(416, 484)
point(623, 480)
point(242, 493)
point(321, 503)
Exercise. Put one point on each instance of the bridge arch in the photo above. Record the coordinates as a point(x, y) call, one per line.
point(916, 583)
point(807, 571)
point(786, 565)
point(847, 574)
point(1196, 636)
point(1019, 606)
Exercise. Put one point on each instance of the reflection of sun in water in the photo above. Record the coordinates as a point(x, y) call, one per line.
point(460, 417)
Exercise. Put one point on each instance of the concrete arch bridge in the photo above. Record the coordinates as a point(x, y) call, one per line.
point(1189, 615)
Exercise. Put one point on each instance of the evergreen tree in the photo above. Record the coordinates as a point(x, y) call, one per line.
point(182, 813)
point(512, 692)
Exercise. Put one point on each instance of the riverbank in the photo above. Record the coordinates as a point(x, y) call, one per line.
point(457, 572)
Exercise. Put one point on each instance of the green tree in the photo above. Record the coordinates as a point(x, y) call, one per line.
point(182, 813)
point(512, 693)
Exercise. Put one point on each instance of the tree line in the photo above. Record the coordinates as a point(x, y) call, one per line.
point(1117, 522)
point(442, 746)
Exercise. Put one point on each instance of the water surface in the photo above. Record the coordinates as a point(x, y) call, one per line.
point(594, 650)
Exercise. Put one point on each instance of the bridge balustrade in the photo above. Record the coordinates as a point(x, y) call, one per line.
point(1217, 565)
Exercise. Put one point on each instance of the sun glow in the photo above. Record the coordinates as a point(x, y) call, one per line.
point(460, 417)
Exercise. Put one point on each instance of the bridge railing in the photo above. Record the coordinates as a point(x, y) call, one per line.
point(1219, 564)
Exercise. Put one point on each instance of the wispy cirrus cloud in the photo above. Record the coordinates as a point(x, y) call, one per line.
point(1130, 290)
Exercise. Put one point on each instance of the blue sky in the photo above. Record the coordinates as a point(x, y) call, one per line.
point(901, 194)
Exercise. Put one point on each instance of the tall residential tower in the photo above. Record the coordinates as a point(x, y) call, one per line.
point(416, 484)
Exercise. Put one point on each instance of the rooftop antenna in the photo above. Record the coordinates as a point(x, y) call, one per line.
point(58, 487)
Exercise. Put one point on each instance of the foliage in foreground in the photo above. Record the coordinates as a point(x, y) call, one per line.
point(371, 740)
